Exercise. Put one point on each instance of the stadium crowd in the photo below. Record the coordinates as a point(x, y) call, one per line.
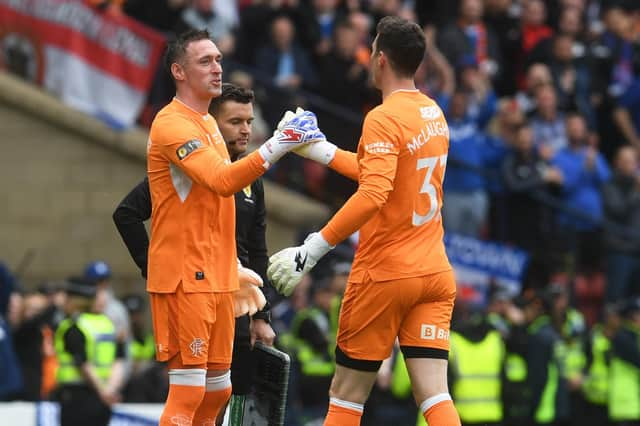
point(543, 104)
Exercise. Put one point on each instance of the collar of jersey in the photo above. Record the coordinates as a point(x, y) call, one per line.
point(189, 109)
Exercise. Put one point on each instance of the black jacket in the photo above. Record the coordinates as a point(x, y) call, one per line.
point(251, 244)
point(621, 201)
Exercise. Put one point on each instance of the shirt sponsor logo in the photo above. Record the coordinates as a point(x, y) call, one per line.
point(432, 332)
point(187, 148)
point(379, 147)
point(430, 112)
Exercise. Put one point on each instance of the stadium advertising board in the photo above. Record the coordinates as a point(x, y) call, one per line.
point(479, 263)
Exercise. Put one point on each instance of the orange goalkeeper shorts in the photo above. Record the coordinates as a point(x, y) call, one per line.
point(197, 326)
point(416, 310)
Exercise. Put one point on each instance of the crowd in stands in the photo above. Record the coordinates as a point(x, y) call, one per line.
point(542, 98)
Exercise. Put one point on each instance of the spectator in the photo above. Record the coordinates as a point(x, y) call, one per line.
point(532, 30)
point(469, 40)
point(342, 79)
point(538, 75)
point(283, 59)
point(465, 203)
point(32, 341)
point(435, 76)
point(202, 14)
point(627, 114)
point(317, 23)
point(525, 174)
point(571, 78)
point(501, 19)
point(584, 170)
point(621, 200)
point(362, 25)
point(548, 124)
point(162, 15)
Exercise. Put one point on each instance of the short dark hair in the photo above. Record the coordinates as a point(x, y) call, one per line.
point(231, 92)
point(402, 42)
point(177, 47)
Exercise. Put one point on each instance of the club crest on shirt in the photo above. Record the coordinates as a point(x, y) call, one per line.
point(247, 191)
point(187, 148)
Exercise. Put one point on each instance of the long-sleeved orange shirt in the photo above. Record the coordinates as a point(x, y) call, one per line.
point(192, 182)
point(400, 167)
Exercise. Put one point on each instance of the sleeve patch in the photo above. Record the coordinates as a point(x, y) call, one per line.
point(379, 147)
point(187, 148)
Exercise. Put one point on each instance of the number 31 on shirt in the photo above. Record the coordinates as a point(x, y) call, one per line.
point(428, 188)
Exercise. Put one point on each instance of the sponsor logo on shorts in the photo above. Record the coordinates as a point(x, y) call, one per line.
point(431, 332)
point(197, 347)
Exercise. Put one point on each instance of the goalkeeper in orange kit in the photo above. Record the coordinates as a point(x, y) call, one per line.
point(401, 284)
point(192, 271)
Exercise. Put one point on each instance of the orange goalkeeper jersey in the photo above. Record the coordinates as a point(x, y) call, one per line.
point(192, 182)
point(402, 155)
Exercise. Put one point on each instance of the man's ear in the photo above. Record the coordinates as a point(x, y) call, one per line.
point(177, 71)
point(382, 59)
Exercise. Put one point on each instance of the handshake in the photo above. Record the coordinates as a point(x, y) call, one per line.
point(298, 132)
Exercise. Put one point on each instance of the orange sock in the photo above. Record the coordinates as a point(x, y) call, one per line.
point(186, 390)
point(440, 411)
point(343, 413)
point(217, 394)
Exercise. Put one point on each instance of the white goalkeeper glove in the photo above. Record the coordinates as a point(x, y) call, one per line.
point(321, 151)
point(299, 130)
point(248, 299)
point(288, 266)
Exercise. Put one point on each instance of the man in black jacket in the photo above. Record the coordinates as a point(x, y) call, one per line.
point(621, 201)
point(233, 111)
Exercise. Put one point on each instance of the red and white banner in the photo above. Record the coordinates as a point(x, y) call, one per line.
point(96, 62)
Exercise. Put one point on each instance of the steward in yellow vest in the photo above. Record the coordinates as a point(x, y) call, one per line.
point(546, 360)
point(90, 370)
point(624, 370)
point(476, 364)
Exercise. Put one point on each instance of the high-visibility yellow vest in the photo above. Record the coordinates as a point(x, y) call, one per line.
point(312, 362)
point(477, 389)
point(143, 351)
point(596, 383)
point(624, 387)
point(576, 359)
point(100, 345)
point(545, 412)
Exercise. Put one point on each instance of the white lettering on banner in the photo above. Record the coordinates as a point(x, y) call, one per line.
point(430, 129)
point(431, 332)
point(90, 23)
point(379, 147)
point(490, 257)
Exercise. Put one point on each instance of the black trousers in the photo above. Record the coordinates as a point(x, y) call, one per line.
point(242, 367)
point(80, 405)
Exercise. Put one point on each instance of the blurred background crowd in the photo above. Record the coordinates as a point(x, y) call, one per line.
point(542, 98)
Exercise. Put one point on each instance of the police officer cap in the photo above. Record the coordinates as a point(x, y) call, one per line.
point(80, 286)
point(97, 271)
